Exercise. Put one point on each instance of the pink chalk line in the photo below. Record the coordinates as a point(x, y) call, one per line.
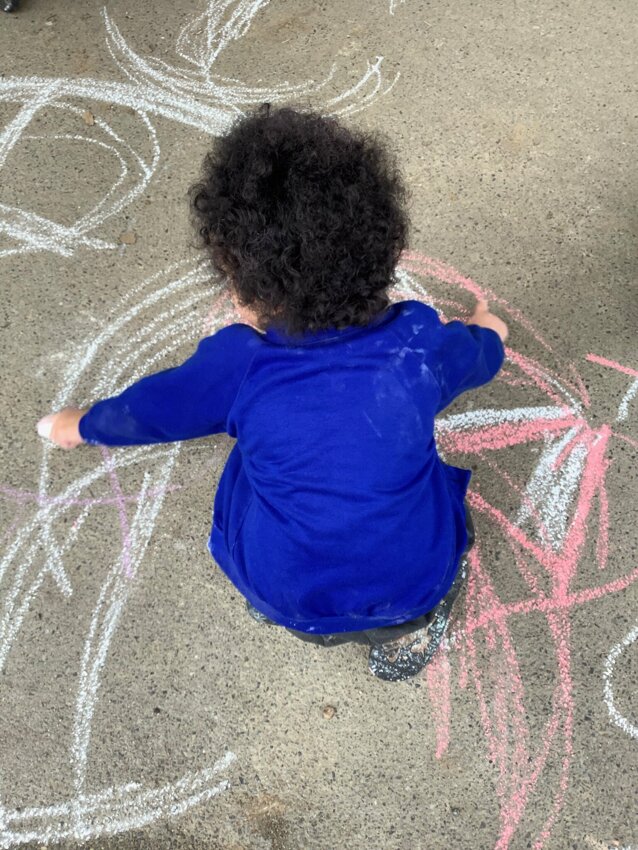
point(415, 262)
point(494, 437)
point(594, 358)
point(24, 496)
point(121, 506)
point(438, 683)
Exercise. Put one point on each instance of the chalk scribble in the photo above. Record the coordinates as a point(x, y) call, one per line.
point(188, 93)
point(559, 506)
point(43, 543)
point(545, 535)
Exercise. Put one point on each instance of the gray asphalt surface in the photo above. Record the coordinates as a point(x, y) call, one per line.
point(129, 666)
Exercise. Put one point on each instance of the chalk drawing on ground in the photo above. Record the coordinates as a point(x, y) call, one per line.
point(38, 544)
point(562, 505)
point(627, 726)
point(545, 534)
point(189, 94)
point(598, 844)
point(557, 506)
point(44, 544)
point(632, 392)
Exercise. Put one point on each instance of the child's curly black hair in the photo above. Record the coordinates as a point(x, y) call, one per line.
point(306, 217)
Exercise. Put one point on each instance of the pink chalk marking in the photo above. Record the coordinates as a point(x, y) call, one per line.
point(594, 358)
point(513, 806)
point(626, 439)
point(528, 576)
point(560, 628)
point(547, 605)
point(592, 593)
point(514, 382)
point(438, 684)
point(446, 274)
point(506, 706)
point(514, 534)
point(593, 474)
point(499, 687)
point(521, 493)
point(516, 779)
point(417, 263)
point(528, 783)
point(506, 376)
point(23, 496)
point(494, 437)
point(602, 543)
point(563, 565)
point(582, 389)
point(530, 368)
point(412, 261)
point(121, 505)
point(462, 656)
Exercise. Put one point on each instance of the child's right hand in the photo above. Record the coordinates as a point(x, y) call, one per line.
point(63, 428)
point(485, 319)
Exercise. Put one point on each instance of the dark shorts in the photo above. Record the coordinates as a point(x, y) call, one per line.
point(374, 637)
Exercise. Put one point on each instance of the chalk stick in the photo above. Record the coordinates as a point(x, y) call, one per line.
point(45, 426)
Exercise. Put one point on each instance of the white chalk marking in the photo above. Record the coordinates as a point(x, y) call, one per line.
point(112, 599)
point(142, 807)
point(75, 819)
point(34, 532)
point(408, 284)
point(493, 416)
point(191, 96)
point(37, 233)
point(620, 720)
point(623, 408)
point(373, 72)
point(113, 810)
point(550, 492)
point(14, 129)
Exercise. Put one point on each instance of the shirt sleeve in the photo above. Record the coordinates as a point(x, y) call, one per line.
point(464, 357)
point(187, 401)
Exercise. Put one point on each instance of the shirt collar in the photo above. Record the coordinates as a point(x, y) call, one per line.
point(278, 335)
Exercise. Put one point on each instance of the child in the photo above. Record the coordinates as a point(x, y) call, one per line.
point(334, 516)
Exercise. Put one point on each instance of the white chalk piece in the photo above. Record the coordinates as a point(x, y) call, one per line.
point(45, 426)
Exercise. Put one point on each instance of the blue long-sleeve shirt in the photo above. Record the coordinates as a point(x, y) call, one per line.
point(334, 511)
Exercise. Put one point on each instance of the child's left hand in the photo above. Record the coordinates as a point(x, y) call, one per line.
point(63, 428)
